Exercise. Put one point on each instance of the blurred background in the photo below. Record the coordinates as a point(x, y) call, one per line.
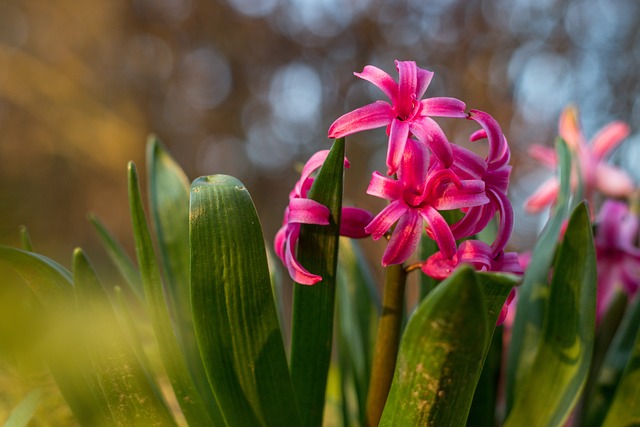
point(249, 88)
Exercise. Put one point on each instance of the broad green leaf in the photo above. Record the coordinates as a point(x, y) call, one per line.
point(21, 415)
point(495, 288)
point(625, 408)
point(194, 408)
point(357, 311)
point(234, 313)
point(169, 191)
point(616, 359)
point(131, 398)
point(552, 386)
point(52, 285)
point(440, 356)
point(119, 257)
point(313, 306)
point(532, 295)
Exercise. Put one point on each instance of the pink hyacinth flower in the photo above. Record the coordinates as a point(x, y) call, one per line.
point(417, 195)
point(302, 210)
point(595, 174)
point(407, 114)
point(617, 253)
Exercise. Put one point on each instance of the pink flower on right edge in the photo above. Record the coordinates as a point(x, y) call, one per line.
point(618, 256)
point(595, 174)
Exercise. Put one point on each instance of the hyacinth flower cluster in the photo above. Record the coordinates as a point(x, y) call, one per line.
point(426, 174)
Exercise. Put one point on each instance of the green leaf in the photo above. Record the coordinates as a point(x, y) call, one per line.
point(234, 312)
point(358, 306)
point(22, 414)
point(119, 257)
point(532, 295)
point(131, 398)
point(194, 408)
point(550, 389)
point(495, 288)
point(614, 364)
point(313, 306)
point(52, 285)
point(169, 191)
point(625, 408)
point(440, 356)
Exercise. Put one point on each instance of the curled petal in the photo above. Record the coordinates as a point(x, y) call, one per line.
point(439, 230)
point(353, 222)
point(397, 140)
point(475, 252)
point(443, 107)
point(384, 187)
point(497, 142)
point(404, 240)
point(381, 79)
point(508, 262)
point(505, 226)
point(613, 182)
point(439, 267)
point(307, 211)
point(474, 220)
point(470, 192)
point(429, 132)
point(608, 138)
point(544, 196)
point(467, 164)
point(279, 242)
point(382, 222)
point(371, 116)
point(297, 272)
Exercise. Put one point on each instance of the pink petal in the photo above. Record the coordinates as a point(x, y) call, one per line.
point(475, 252)
point(439, 230)
point(543, 154)
point(569, 129)
point(370, 116)
point(415, 163)
point(307, 211)
point(381, 79)
point(544, 196)
point(297, 272)
point(384, 187)
point(279, 242)
point(497, 142)
point(469, 163)
point(608, 138)
point(404, 240)
point(443, 107)
point(613, 182)
point(473, 221)
point(505, 308)
point(505, 226)
point(407, 82)
point(438, 267)
point(353, 221)
point(386, 218)
point(397, 140)
point(429, 132)
point(469, 193)
point(424, 79)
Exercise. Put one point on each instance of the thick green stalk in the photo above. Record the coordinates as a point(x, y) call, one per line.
point(387, 342)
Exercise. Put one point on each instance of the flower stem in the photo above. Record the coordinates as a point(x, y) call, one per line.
point(387, 342)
